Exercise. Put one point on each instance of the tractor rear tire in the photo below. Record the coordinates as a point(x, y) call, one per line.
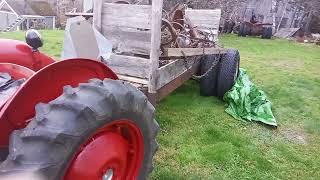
point(208, 83)
point(263, 36)
point(267, 33)
point(60, 128)
point(245, 30)
point(229, 70)
point(241, 30)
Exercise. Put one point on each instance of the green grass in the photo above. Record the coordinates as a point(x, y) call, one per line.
point(198, 140)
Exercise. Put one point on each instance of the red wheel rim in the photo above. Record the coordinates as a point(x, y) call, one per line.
point(116, 147)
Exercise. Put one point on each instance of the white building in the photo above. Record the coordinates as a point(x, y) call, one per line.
point(26, 14)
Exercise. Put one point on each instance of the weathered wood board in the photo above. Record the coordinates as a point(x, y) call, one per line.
point(181, 52)
point(127, 26)
point(133, 79)
point(155, 45)
point(125, 15)
point(173, 70)
point(129, 65)
point(204, 19)
point(130, 40)
point(168, 88)
point(286, 32)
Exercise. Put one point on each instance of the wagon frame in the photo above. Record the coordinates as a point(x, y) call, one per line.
point(135, 34)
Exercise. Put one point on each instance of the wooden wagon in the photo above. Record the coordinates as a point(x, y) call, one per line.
point(135, 33)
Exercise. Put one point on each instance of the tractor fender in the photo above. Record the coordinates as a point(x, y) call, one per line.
point(44, 86)
point(20, 53)
point(16, 71)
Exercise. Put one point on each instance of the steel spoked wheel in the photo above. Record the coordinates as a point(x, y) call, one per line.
point(122, 160)
point(99, 130)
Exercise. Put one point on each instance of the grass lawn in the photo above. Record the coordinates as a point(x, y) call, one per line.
point(198, 140)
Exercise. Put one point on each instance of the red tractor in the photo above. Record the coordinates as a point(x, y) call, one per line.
point(71, 119)
point(255, 29)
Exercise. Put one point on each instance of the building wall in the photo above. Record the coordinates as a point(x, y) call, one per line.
point(87, 5)
point(61, 7)
point(262, 10)
point(6, 19)
point(49, 20)
point(46, 23)
point(242, 9)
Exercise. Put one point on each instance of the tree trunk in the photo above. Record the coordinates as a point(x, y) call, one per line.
point(308, 24)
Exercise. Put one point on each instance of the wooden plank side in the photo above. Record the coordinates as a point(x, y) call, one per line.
point(155, 44)
point(97, 14)
point(126, 15)
point(129, 66)
point(177, 82)
point(133, 79)
point(173, 70)
point(128, 39)
point(204, 19)
point(286, 32)
point(177, 52)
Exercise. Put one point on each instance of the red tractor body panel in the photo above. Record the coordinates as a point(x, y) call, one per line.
point(20, 53)
point(16, 72)
point(18, 60)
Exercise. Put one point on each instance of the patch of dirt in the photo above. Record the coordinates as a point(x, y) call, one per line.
point(295, 136)
point(287, 64)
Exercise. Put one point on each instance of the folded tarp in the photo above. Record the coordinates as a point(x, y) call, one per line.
point(247, 103)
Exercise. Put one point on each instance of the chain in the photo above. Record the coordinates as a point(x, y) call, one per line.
point(215, 63)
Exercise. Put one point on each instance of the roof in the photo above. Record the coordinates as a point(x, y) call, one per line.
point(31, 7)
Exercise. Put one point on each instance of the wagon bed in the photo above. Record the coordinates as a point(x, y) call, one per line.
point(135, 33)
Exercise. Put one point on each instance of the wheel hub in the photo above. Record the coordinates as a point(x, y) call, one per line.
point(108, 175)
point(113, 152)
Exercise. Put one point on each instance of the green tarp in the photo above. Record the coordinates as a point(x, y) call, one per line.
point(247, 103)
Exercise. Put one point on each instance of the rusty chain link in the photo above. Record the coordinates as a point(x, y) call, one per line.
point(215, 63)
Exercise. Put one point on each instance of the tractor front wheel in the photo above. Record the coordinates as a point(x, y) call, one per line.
point(99, 130)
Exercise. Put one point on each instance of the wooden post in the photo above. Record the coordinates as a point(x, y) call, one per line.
point(155, 44)
point(54, 23)
point(274, 6)
point(1, 4)
point(97, 14)
point(28, 24)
